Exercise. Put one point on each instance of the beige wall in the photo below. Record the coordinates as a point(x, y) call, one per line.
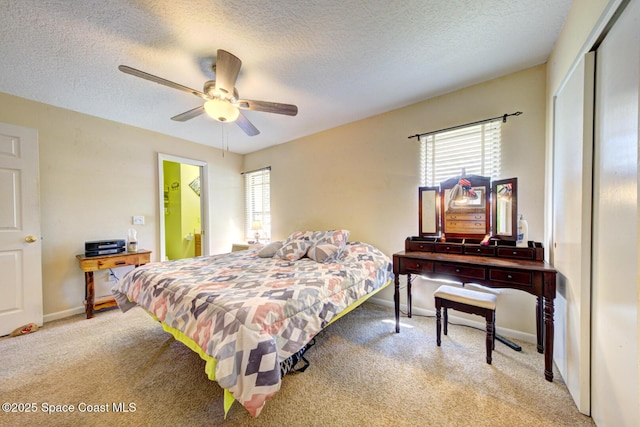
point(364, 176)
point(94, 175)
point(581, 22)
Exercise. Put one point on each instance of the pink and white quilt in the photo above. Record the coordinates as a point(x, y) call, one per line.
point(250, 313)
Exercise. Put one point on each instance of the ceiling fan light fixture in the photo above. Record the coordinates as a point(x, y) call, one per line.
point(221, 99)
point(221, 111)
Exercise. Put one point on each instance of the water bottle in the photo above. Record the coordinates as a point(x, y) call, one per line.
point(523, 232)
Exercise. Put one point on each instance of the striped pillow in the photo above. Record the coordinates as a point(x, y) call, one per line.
point(323, 252)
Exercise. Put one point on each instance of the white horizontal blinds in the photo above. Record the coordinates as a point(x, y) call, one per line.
point(257, 188)
point(475, 148)
point(426, 157)
point(493, 150)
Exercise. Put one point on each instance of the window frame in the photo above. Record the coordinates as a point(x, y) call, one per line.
point(257, 191)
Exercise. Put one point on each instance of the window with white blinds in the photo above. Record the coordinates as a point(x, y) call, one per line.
point(257, 189)
point(475, 148)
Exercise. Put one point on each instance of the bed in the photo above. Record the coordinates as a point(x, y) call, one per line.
point(246, 312)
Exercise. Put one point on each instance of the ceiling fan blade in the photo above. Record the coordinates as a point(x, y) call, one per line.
point(188, 115)
point(268, 107)
point(160, 80)
point(246, 125)
point(227, 69)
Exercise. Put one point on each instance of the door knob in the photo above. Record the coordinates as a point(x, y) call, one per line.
point(30, 239)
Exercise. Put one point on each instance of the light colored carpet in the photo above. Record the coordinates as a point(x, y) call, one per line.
point(362, 374)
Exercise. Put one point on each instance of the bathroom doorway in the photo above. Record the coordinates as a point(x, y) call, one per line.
point(183, 207)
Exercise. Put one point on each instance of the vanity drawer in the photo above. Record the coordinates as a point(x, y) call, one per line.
point(421, 246)
point(458, 226)
point(509, 276)
point(473, 216)
point(460, 270)
point(449, 248)
point(479, 250)
point(519, 253)
point(417, 266)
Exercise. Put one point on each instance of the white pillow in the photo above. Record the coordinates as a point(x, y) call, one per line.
point(269, 250)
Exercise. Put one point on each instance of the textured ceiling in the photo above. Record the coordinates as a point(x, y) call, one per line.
point(338, 61)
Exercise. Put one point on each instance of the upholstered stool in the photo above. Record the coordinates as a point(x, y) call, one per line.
point(467, 301)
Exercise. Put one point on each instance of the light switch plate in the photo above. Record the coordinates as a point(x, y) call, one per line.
point(138, 220)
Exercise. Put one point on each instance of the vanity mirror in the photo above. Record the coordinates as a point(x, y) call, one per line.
point(504, 209)
point(469, 207)
point(465, 208)
point(429, 211)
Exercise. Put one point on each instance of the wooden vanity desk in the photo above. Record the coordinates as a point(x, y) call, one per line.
point(499, 265)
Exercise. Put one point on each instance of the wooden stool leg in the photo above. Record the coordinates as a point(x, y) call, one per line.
point(438, 321)
point(490, 316)
point(446, 320)
point(467, 301)
point(493, 314)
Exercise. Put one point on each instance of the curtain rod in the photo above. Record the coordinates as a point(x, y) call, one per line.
point(503, 117)
point(267, 168)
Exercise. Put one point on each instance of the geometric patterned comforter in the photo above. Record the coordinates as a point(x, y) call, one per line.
point(250, 313)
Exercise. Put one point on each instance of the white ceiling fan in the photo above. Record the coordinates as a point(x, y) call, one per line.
point(220, 95)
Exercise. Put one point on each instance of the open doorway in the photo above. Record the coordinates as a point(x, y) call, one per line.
point(183, 207)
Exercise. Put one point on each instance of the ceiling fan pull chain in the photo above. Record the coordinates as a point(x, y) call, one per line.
point(226, 137)
point(222, 139)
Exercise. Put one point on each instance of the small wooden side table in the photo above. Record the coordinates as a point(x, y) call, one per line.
point(104, 262)
point(245, 246)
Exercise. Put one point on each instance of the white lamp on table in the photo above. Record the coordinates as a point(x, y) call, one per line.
point(257, 227)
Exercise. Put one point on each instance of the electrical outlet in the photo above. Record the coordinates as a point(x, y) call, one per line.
point(138, 220)
point(112, 277)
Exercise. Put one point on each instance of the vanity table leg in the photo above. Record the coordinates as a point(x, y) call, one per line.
point(548, 338)
point(396, 301)
point(408, 295)
point(540, 324)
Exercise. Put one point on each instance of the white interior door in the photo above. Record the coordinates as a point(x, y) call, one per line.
point(20, 243)
point(614, 349)
point(572, 201)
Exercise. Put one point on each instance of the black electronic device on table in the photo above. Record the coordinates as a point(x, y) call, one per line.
point(104, 247)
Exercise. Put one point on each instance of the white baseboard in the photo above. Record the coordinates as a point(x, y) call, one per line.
point(63, 314)
point(508, 333)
